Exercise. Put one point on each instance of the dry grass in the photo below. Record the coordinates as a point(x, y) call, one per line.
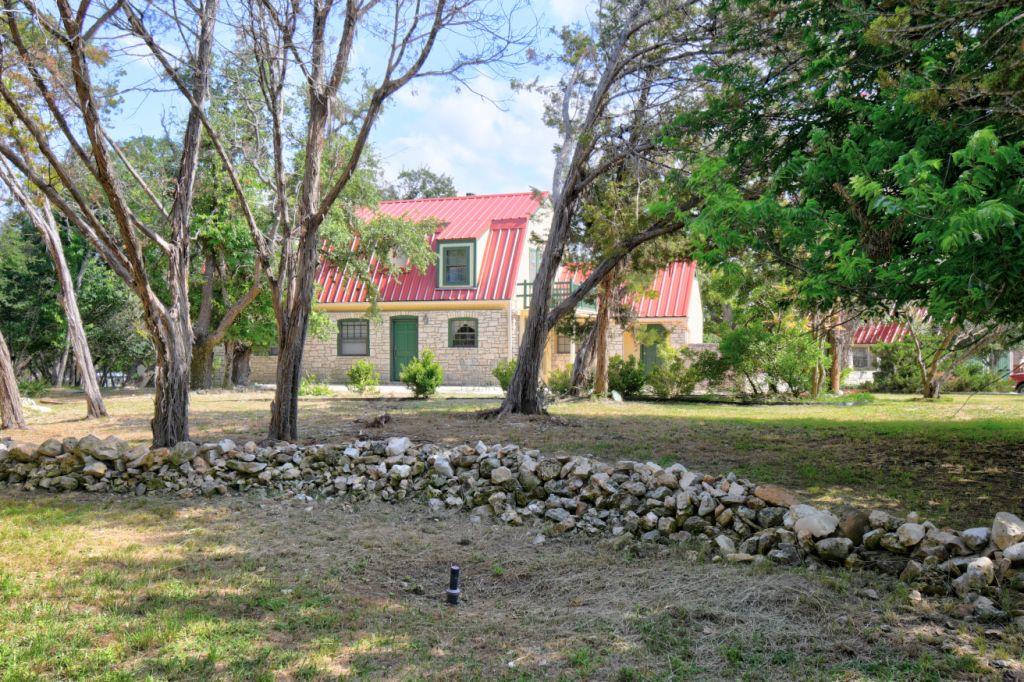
point(244, 588)
point(254, 588)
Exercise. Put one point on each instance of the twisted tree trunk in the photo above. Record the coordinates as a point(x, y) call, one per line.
point(601, 361)
point(11, 416)
point(582, 363)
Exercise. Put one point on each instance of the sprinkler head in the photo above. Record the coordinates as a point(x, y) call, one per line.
point(453, 591)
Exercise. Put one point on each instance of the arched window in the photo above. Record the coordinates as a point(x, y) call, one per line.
point(463, 333)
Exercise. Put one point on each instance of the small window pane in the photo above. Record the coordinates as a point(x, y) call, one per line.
point(353, 337)
point(564, 344)
point(861, 358)
point(456, 265)
point(463, 333)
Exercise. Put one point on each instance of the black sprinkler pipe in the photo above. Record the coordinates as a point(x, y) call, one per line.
point(453, 586)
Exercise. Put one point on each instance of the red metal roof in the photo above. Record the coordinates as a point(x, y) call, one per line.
point(879, 332)
point(504, 216)
point(467, 217)
point(673, 284)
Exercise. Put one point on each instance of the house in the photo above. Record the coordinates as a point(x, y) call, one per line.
point(470, 307)
point(863, 361)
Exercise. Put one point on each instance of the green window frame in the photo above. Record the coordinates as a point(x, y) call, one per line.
point(353, 338)
point(456, 264)
point(463, 332)
point(563, 345)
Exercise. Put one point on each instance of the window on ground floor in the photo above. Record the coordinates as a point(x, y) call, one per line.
point(861, 358)
point(353, 337)
point(564, 344)
point(463, 333)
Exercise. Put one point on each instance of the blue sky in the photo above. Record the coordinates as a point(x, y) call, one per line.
point(491, 143)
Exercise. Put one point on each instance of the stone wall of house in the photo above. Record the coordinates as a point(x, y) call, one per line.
point(462, 366)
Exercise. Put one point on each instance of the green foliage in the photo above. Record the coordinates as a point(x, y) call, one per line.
point(423, 374)
point(781, 360)
point(33, 388)
point(975, 376)
point(503, 372)
point(897, 371)
point(560, 381)
point(362, 377)
point(421, 183)
point(888, 177)
point(626, 375)
point(312, 386)
point(674, 374)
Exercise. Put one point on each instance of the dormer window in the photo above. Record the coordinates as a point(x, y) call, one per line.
point(457, 264)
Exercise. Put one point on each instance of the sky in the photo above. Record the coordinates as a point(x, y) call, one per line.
point(487, 137)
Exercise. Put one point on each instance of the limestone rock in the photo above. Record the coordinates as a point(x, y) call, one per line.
point(501, 475)
point(976, 538)
point(1007, 529)
point(398, 446)
point(26, 453)
point(853, 524)
point(834, 549)
point(96, 469)
point(1014, 553)
point(246, 467)
point(776, 495)
point(910, 534)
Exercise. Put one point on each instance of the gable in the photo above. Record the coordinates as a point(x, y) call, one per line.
point(497, 224)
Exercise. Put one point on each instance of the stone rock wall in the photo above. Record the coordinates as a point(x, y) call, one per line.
point(566, 495)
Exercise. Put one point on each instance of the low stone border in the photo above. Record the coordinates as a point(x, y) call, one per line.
point(742, 521)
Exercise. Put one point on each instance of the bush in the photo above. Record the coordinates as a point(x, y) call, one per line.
point(897, 370)
point(423, 375)
point(362, 377)
point(33, 388)
point(560, 381)
point(784, 359)
point(312, 386)
point(975, 376)
point(503, 373)
point(675, 375)
point(627, 376)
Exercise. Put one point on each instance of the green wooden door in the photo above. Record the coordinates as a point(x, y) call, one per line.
point(404, 343)
point(653, 335)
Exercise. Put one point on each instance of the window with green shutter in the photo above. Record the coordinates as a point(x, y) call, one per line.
point(353, 337)
point(463, 333)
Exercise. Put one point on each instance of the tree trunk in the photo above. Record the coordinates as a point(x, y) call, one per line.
point(836, 371)
point(240, 367)
point(601, 344)
point(62, 365)
point(229, 359)
point(11, 416)
point(202, 367)
point(69, 302)
point(582, 363)
point(171, 382)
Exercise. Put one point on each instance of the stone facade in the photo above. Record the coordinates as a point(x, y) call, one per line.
point(462, 366)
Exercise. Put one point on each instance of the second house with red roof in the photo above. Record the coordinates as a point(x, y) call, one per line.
point(471, 306)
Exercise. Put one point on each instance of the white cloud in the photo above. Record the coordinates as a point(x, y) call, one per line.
point(485, 147)
point(569, 11)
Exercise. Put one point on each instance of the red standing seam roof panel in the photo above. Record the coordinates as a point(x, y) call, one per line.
point(673, 283)
point(503, 216)
point(879, 332)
